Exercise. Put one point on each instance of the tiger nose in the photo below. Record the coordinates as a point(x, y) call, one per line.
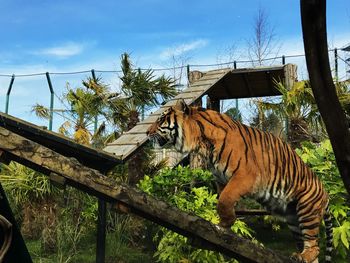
point(151, 129)
point(148, 131)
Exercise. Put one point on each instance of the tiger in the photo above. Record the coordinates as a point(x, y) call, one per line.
point(251, 162)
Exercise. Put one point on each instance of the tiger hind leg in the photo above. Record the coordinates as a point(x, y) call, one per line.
point(309, 253)
point(309, 233)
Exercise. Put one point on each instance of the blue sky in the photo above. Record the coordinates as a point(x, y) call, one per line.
point(63, 36)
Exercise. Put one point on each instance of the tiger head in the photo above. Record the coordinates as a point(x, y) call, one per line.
point(167, 130)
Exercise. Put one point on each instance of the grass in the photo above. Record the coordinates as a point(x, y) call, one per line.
point(116, 252)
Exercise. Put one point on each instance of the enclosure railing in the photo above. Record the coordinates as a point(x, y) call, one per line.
point(338, 56)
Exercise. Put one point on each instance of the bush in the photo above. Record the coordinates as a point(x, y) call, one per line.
point(191, 191)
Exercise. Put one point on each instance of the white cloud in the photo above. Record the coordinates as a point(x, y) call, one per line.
point(62, 51)
point(182, 48)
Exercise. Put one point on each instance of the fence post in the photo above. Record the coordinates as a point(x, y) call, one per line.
point(96, 117)
point(51, 99)
point(188, 73)
point(8, 94)
point(336, 63)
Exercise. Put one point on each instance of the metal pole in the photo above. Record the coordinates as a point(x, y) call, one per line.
point(336, 63)
point(8, 94)
point(96, 117)
point(237, 110)
point(101, 231)
point(188, 73)
point(51, 99)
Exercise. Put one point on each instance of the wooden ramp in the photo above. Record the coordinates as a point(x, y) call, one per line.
point(218, 84)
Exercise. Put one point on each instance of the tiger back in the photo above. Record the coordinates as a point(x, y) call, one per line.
point(250, 162)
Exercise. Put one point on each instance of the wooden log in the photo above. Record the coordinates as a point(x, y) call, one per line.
point(252, 212)
point(92, 181)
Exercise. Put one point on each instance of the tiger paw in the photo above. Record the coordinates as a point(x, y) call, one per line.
point(227, 222)
point(297, 257)
point(302, 258)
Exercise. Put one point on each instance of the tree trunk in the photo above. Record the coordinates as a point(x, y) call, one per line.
point(313, 18)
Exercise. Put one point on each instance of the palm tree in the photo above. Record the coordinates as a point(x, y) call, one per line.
point(298, 107)
point(140, 91)
point(84, 105)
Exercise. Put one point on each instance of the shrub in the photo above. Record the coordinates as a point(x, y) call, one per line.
point(191, 191)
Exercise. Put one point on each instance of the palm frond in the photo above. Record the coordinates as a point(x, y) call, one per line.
point(41, 111)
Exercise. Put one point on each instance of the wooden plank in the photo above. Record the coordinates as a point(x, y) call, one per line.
point(149, 120)
point(204, 83)
point(139, 128)
point(195, 89)
point(119, 151)
point(217, 71)
point(94, 182)
point(257, 69)
point(128, 138)
point(188, 95)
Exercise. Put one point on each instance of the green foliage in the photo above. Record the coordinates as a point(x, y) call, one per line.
point(322, 161)
point(191, 191)
point(140, 90)
point(234, 114)
point(23, 183)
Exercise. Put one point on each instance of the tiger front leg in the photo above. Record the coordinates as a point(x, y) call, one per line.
point(226, 212)
point(232, 192)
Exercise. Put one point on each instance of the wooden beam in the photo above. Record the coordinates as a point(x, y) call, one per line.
point(91, 180)
point(252, 212)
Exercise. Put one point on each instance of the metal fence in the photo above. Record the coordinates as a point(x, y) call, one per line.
point(171, 156)
point(19, 92)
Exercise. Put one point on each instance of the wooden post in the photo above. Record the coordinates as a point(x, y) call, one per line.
point(194, 76)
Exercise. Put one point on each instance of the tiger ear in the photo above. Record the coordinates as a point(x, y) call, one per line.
point(182, 106)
